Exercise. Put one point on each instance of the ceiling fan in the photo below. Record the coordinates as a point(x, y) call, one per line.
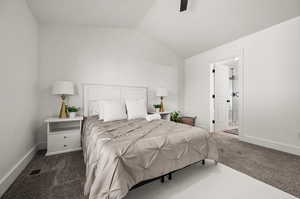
point(183, 5)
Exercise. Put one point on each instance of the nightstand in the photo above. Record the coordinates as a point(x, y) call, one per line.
point(63, 135)
point(164, 115)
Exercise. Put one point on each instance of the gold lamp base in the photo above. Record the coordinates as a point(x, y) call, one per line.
point(162, 109)
point(63, 109)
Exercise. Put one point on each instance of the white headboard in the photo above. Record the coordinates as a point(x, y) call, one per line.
point(94, 92)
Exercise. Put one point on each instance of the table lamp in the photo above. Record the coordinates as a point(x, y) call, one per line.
point(161, 92)
point(63, 88)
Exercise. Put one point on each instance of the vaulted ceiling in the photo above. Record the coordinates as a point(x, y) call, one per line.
point(111, 13)
point(206, 24)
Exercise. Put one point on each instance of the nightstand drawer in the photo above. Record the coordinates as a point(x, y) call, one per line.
point(64, 135)
point(63, 142)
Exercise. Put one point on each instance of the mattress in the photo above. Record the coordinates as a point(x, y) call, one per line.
point(121, 154)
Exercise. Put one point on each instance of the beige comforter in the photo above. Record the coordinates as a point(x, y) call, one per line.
point(120, 154)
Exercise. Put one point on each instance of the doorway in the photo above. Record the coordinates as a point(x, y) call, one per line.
point(225, 95)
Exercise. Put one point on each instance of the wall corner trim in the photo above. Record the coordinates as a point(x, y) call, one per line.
point(7, 180)
point(42, 146)
point(295, 150)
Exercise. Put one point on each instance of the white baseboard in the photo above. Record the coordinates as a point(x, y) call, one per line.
point(11, 176)
point(271, 144)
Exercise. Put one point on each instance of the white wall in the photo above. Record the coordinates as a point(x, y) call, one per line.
point(88, 54)
point(18, 85)
point(271, 109)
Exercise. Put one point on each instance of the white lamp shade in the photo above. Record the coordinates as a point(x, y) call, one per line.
point(63, 88)
point(161, 92)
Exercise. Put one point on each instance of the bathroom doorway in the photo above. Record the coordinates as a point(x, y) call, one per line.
point(225, 96)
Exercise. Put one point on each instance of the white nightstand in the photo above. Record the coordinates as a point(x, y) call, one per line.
point(164, 115)
point(64, 135)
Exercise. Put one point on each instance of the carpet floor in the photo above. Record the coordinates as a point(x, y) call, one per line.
point(275, 168)
point(62, 176)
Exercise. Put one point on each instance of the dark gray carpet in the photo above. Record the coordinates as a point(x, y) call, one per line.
point(276, 168)
point(62, 176)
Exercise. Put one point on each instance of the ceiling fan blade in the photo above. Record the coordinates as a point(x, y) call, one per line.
point(183, 5)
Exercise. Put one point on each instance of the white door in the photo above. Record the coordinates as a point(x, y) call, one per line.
point(222, 97)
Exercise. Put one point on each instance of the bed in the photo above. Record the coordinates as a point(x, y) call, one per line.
point(121, 154)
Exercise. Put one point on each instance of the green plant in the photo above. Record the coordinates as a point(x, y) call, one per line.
point(175, 116)
point(73, 109)
point(156, 105)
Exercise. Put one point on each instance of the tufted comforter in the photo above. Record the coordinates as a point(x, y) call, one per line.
point(120, 154)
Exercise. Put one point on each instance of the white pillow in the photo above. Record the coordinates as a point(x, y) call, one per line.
point(113, 110)
point(155, 116)
point(94, 108)
point(136, 109)
point(101, 110)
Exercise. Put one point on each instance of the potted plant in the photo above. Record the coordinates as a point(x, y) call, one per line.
point(156, 107)
point(72, 111)
point(175, 116)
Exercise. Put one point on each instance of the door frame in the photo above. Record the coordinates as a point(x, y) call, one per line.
point(240, 86)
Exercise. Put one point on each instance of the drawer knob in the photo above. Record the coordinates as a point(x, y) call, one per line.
point(65, 137)
point(65, 145)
